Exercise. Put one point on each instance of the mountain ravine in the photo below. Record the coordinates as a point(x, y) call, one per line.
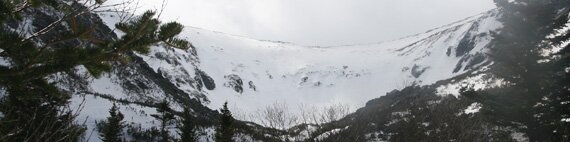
point(407, 89)
point(251, 74)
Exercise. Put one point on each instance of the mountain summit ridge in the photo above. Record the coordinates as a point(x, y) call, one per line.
point(461, 21)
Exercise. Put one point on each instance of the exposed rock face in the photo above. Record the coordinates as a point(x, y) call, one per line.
point(206, 80)
point(234, 82)
point(417, 71)
point(252, 86)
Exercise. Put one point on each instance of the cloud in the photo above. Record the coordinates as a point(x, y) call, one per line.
point(320, 22)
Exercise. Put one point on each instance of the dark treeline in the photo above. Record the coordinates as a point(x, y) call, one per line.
point(538, 82)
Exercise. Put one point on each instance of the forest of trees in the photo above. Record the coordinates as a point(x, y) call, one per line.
point(538, 82)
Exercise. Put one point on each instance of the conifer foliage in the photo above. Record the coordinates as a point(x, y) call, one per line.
point(225, 130)
point(111, 130)
point(166, 118)
point(187, 127)
point(532, 100)
point(34, 105)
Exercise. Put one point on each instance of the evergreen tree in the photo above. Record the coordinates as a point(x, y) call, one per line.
point(187, 127)
point(33, 105)
point(41, 117)
point(225, 130)
point(111, 130)
point(556, 103)
point(517, 53)
point(165, 117)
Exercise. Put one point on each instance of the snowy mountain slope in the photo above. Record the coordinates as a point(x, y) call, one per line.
point(93, 97)
point(252, 73)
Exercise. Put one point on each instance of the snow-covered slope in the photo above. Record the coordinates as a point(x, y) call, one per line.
point(251, 74)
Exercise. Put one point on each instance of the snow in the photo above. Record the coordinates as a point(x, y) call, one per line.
point(479, 81)
point(3, 61)
point(239, 137)
point(207, 134)
point(109, 84)
point(401, 113)
point(321, 76)
point(352, 74)
point(473, 108)
point(548, 52)
point(112, 18)
point(94, 109)
point(326, 134)
point(519, 137)
point(305, 133)
point(2, 92)
point(560, 32)
point(296, 74)
point(105, 85)
point(425, 124)
point(181, 66)
point(373, 137)
point(26, 27)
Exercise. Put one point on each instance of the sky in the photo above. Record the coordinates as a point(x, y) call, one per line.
point(318, 22)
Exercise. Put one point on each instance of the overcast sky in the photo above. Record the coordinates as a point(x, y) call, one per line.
point(320, 22)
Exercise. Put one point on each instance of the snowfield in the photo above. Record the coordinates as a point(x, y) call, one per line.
point(251, 74)
point(322, 76)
